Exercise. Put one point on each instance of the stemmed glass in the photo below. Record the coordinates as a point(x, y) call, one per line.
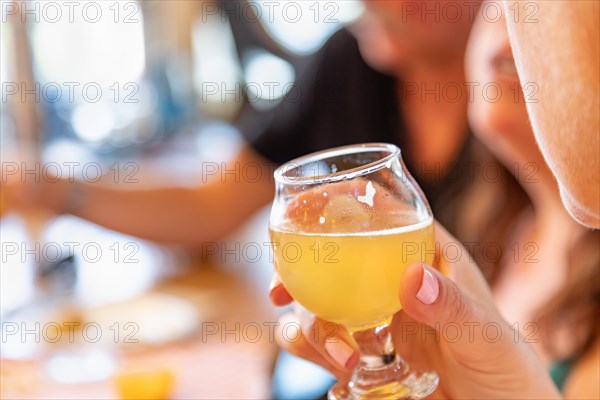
point(344, 225)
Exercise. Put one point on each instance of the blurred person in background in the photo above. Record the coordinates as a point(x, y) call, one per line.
point(383, 79)
point(547, 284)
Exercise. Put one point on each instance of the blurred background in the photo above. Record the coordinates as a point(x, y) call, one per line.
point(119, 89)
point(138, 141)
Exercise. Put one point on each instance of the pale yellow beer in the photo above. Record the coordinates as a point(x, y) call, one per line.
point(352, 279)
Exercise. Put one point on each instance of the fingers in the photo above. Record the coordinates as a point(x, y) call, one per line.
point(431, 298)
point(321, 342)
point(478, 334)
point(475, 338)
point(277, 293)
point(294, 342)
point(324, 343)
point(332, 341)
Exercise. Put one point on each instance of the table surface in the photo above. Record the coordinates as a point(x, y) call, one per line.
point(232, 363)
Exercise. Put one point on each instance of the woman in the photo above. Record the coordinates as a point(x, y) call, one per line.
point(566, 130)
point(545, 282)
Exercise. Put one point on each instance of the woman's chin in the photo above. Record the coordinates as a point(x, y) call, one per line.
point(381, 60)
point(579, 213)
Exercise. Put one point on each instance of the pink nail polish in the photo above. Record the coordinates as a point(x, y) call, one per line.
point(339, 351)
point(430, 288)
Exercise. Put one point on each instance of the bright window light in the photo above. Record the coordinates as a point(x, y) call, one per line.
point(267, 76)
point(106, 51)
point(303, 26)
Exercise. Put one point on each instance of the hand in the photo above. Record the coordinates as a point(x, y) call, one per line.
point(25, 187)
point(456, 332)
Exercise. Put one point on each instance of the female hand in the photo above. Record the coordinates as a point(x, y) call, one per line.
point(25, 184)
point(455, 331)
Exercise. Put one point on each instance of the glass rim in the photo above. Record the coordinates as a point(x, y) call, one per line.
point(280, 177)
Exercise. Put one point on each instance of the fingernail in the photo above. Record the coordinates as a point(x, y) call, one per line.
point(274, 283)
point(340, 351)
point(430, 288)
point(278, 295)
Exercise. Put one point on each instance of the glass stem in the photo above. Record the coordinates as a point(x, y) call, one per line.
point(379, 366)
point(381, 373)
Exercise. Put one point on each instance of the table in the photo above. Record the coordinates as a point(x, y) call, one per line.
point(222, 365)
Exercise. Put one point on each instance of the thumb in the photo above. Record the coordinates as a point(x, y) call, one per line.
point(477, 340)
point(431, 298)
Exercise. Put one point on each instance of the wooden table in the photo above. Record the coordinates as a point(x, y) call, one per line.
point(205, 366)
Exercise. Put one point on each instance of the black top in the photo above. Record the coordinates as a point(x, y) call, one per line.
point(340, 101)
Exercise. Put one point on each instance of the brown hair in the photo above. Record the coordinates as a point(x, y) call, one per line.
point(576, 308)
point(485, 214)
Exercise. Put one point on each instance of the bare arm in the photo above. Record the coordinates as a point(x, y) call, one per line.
point(174, 214)
point(557, 52)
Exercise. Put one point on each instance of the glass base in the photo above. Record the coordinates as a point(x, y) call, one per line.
point(381, 373)
point(411, 386)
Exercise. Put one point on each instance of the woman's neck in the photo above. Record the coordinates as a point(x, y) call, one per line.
point(427, 90)
point(540, 186)
point(446, 66)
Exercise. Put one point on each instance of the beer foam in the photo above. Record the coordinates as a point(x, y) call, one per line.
point(391, 231)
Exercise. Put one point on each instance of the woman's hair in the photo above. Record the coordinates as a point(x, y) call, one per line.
point(484, 217)
point(574, 311)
